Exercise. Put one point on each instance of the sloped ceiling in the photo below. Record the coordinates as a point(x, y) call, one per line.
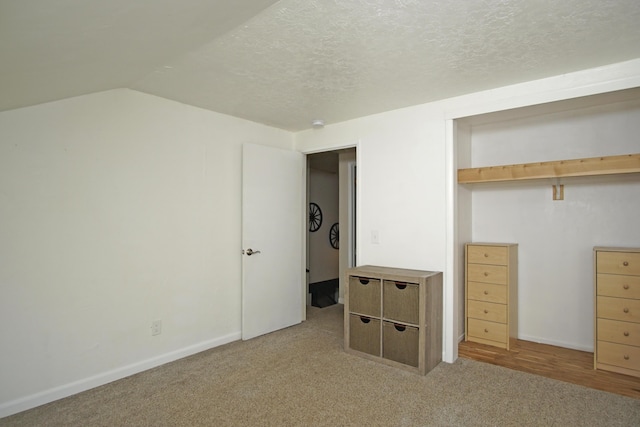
point(288, 62)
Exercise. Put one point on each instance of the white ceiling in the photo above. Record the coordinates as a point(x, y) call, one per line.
point(285, 63)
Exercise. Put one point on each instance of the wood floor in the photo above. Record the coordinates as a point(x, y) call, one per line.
point(553, 362)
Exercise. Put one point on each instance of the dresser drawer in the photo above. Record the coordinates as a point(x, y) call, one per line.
point(624, 356)
point(615, 285)
point(487, 330)
point(626, 263)
point(487, 273)
point(364, 296)
point(627, 310)
point(496, 255)
point(619, 332)
point(401, 301)
point(487, 292)
point(487, 311)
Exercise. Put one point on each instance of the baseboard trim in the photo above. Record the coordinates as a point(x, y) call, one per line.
point(56, 393)
point(572, 346)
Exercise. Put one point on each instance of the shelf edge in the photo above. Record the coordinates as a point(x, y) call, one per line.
point(606, 165)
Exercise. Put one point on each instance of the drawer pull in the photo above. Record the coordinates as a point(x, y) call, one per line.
point(626, 357)
point(364, 281)
point(486, 274)
point(626, 310)
point(626, 334)
point(401, 285)
point(400, 328)
point(486, 292)
point(486, 255)
point(625, 286)
point(486, 330)
point(365, 319)
point(486, 312)
point(626, 263)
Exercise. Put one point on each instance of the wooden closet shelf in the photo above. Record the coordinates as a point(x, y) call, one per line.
point(610, 165)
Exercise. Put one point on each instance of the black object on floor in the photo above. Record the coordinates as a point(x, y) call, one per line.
point(323, 293)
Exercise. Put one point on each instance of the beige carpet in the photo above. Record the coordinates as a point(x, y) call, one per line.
point(301, 377)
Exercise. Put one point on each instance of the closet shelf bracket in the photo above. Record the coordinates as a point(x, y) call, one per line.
point(558, 190)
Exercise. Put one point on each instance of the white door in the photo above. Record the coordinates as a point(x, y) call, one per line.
point(273, 222)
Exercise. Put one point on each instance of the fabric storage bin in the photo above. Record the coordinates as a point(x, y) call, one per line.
point(364, 296)
point(364, 334)
point(401, 301)
point(400, 343)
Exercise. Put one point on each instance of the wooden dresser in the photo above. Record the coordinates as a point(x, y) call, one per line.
point(617, 310)
point(491, 293)
point(394, 316)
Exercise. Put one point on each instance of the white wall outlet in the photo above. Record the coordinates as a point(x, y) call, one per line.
point(375, 237)
point(156, 327)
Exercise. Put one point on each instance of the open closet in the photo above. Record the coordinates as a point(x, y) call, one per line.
point(556, 179)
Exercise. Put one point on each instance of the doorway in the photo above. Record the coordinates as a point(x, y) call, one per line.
point(331, 249)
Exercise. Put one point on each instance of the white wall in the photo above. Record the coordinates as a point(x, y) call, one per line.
point(116, 209)
point(323, 259)
point(556, 238)
point(398, 195)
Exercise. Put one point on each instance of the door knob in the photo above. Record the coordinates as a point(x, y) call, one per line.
point(251, 252)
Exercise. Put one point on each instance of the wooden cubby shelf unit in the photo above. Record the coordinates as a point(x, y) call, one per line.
point(394, 316)
point(609, 165)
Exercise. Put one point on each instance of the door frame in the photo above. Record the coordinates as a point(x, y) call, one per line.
point(356, 207)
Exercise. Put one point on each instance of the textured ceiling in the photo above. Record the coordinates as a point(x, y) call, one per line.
point(53, 49)
point(299, 60)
